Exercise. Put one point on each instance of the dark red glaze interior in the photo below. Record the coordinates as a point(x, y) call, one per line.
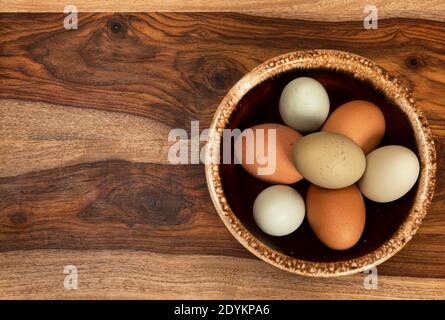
point(260, 105)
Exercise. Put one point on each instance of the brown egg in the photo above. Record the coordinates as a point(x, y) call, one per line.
point(337, 216)
point(359, 120)
point(264, 164)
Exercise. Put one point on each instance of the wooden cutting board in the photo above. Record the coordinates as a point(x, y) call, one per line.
point(84, 176)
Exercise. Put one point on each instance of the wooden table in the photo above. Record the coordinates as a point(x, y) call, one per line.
point(84, 122)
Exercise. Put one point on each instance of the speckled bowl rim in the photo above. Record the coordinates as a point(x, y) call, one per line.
point(360, 68)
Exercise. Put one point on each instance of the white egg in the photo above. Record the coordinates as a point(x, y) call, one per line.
point(304, 104)
point(391, 171)
point(279, 210)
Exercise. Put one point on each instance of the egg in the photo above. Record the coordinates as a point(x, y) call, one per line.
point(279, 210)
point(359, 120)
point(275, 167)
point(337, 217)
point(329, 160)
point(304, 104)
point(390, 173)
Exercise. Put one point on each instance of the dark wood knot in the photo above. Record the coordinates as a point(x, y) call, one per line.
point(116, 27)
point(19, 218)
point(413, 62)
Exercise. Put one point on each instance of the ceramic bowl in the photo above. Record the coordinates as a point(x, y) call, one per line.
point(254, 100)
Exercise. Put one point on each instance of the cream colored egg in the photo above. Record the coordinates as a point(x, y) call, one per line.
point(329, 160)
point(279, 210)
point(390, 173)
point(304, 104)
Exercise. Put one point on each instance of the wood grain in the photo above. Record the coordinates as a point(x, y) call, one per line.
point(135, 275)
point(84, 178)
point(54, 136)
point(322, 10)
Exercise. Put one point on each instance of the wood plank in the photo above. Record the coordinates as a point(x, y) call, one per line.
point(115, 205)
point(52, 136)
point(322, 10)
point(150, 66)
point(136, 275)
